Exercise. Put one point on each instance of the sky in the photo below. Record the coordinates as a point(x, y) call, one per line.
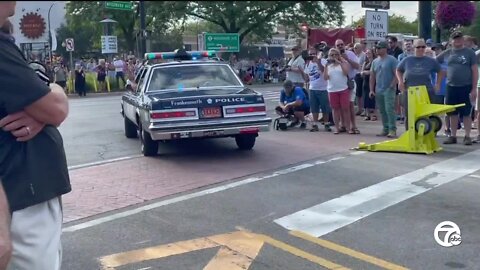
point(404, 8)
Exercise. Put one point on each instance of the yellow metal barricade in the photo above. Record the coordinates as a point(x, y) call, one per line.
point(423, 124)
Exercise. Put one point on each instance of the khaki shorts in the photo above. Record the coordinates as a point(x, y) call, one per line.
point(35, 233)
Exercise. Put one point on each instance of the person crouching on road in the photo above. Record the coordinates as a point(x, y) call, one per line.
point(293, 103)
point(335, 73)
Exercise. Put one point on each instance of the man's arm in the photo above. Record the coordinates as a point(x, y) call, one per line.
point(401, 84)
point(473, 93)
point(352, 59)
point(50, 109)
point(5, 241)
point(372, 81)
point(22, 89)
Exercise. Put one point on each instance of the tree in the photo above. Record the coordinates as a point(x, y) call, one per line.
point(450, 15)
point(396, 24)
point(84, 17)
point(260, 17)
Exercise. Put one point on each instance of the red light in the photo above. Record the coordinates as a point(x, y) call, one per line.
point(163, 115)
point(249, 130)
point(250, 109)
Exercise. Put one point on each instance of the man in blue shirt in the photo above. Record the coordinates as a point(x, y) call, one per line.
point(293, 103)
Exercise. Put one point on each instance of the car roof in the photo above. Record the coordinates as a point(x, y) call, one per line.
point(186, 62)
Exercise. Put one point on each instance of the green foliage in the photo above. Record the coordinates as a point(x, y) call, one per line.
point(83, 24)
point(396, 24)
point(260, 17)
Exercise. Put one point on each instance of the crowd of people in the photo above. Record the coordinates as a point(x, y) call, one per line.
point(375, 79)
point(121, 68)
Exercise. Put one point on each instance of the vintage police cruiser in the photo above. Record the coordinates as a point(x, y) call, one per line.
point(188, 95)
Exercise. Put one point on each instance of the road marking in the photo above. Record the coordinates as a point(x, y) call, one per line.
point(140, 209)
point(474, 176)
point(101, 162)
point(347, 251)
point(237, 251)
point(329, 216)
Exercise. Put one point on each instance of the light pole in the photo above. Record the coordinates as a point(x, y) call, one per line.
point(50, 33)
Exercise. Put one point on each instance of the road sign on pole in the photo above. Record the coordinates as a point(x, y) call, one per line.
point(223, 42)
point(376, 4)
point(376, 25)
point(69, 45)
point(118, 5)
point(109, 44)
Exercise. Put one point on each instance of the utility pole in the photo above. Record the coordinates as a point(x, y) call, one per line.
point(143, 30)
point(425, 19)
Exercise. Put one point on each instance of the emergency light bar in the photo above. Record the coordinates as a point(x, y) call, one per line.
point(173, 55)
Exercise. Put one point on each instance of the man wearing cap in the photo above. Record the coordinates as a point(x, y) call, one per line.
point(383, 85)
point(294, 68)
point(294, 103)
point(462, 77)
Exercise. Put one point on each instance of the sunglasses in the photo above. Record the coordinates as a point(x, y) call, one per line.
point(334, 54)
point(340, 44)
point(420, 47)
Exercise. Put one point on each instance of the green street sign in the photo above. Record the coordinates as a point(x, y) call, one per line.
point(118, 5)
point(224, 42)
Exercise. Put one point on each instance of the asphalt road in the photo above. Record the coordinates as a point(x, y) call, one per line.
point(298, 201)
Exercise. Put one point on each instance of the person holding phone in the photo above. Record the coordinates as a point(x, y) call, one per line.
point(336, 75)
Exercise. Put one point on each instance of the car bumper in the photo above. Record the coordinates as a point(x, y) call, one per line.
point(212, 128)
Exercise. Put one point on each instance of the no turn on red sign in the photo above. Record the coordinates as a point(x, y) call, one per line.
point(376, 25)
point(69, 44)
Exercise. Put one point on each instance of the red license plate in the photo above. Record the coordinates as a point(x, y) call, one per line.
point(213, 112)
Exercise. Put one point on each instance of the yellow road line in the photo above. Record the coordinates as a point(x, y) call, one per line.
point(302, 254)
point(227, 259)
point(347, 251)
point(140, 255)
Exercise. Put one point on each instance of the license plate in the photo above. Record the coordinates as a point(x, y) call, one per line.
point(212, 112)
point(212, 133)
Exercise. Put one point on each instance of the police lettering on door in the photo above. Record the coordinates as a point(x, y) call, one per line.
point(376, 25)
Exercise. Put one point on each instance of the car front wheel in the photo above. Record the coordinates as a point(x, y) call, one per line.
point(245, 141)
point(148, 145)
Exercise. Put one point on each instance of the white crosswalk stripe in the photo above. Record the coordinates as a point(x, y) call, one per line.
point(271, 95)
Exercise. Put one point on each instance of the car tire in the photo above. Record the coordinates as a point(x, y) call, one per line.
point(130, 128)
point(245, 141)
point(149, 147)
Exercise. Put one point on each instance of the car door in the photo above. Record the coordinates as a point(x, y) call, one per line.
point(131, 100)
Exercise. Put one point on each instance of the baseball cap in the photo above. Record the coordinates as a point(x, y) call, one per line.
point(382, 45)
point(436, 45)
point(456, 34)
point(429, 41)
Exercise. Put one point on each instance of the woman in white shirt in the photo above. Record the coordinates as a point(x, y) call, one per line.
point(336, 72)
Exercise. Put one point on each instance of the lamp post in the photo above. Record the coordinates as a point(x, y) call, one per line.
point(50, 33)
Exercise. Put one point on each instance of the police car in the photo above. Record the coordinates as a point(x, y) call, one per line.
point(181, 95)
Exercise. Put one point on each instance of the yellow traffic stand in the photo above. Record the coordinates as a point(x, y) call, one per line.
point(423, 124)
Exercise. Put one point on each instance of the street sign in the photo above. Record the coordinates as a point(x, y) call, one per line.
point(376, 4)
point(224, 42)
point(109, 44)
point(69, 45)
point(376, 25)
point(118, 5)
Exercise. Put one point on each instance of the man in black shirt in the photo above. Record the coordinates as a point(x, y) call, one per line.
point(33, 167)
point(393, 48)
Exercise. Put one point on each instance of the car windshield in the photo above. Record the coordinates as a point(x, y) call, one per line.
point(193, 76)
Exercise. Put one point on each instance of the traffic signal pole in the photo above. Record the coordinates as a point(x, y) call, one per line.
point(425, 19)
point(143, 30)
